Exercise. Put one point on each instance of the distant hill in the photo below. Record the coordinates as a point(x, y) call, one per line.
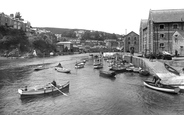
point(57, 30)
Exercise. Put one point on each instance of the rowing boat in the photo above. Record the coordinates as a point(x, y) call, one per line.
point(107, 73)
point(162, 87)
point(41, 91)
point(62, 70)
point(170, 69)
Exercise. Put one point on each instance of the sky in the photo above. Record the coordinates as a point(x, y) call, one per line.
point(112, 16)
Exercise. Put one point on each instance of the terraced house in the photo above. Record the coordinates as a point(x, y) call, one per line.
point(12, 22)
point(163, 31)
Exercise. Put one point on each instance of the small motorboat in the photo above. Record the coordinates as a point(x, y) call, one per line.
point(107, 73)
point(62, 70)
point(162, 87)
point(44, 90)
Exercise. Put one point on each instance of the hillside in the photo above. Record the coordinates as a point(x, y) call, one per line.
point(57, 30)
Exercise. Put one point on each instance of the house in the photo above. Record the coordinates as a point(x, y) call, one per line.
point(162, 27)
point(132, 42)
point(64, 46)
point(178, 43)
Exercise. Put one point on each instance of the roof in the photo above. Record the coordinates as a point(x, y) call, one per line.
point(167, 15)
point(181, 33)
point(63, 43)
point(130, 33)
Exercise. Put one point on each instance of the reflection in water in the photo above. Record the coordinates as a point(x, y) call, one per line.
point(89, 93)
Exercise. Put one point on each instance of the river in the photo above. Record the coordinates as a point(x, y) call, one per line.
point(89, 94)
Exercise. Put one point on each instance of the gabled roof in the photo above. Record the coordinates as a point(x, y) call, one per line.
point(169, 15)
point(130, 33)
point(181, 33)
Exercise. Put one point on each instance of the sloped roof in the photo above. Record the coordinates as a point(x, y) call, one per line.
point(169, 15)
point(181, 33)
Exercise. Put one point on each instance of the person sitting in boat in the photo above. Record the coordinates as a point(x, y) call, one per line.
point(54, 83)
point(25, 88)
point(59, 65)
point(156, 80)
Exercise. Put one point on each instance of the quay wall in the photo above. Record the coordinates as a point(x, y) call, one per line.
point(139, 62)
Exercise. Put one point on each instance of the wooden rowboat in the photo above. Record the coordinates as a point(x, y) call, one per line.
point(43, 90)
point(170, 69)
point(107, 74)
point(62, 70)
point(98, 66)
point(162, 87)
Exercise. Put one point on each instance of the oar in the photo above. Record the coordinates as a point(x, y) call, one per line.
point(59, 90)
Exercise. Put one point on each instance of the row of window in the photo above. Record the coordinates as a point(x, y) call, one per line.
point(174, 26)
point(129, 38)
point(129, 42)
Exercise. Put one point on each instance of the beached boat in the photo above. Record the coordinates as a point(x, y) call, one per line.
point(162, 87)
point(170, 69)
point(62, 70)
point(107, 73)
point(44, 90)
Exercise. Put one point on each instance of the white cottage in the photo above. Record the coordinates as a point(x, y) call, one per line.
point(178, 43)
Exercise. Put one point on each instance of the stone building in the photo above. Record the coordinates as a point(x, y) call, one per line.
point(132, 42)
point(162, 26)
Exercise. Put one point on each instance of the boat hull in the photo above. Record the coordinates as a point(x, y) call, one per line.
point(62, 70)
point(163, 88)
point(107, 74)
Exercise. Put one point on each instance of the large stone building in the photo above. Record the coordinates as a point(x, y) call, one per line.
point(131, 42)
point(163, 26)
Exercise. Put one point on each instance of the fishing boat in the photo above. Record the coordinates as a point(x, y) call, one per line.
point(162, 87)
point(43, 90)
point(62, 70)
point(107, 73)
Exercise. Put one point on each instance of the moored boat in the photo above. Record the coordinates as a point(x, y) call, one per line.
point(40, 68)
point(44, 90)
point(162, 87)
point(62, 70)
point(98, 66)
point(78, 66)
point(107, 73)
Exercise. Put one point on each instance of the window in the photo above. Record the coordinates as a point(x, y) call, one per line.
point(161, 26)
point(128, 38)
point(161, 44)
point(181, 47)
point(134, 42)
point(161, 35)
point(175, 26)
point(134, 38)
point(128, 42)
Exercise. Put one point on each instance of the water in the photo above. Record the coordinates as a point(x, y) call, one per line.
point(89, 94)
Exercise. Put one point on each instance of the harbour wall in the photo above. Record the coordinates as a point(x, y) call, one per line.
point(139, 62)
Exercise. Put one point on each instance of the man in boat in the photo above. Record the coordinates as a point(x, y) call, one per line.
point(156, 80)
point(54, 83)
point(59, 65)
